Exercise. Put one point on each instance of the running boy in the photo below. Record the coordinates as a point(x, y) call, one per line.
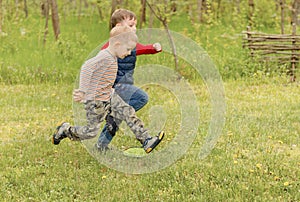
point(123, 85)
point(97, 77)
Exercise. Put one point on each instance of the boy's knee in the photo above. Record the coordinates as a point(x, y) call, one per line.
point(143, 98)
point(144, 101)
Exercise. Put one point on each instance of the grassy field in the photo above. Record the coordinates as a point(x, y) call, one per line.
point(257, 158)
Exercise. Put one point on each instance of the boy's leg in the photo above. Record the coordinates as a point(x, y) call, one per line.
point(95, 112)
point(132, 95)
point(122, 111)
point(108, 132)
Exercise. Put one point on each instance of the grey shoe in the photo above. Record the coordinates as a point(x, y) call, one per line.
point(151, 143)
point(61, 133)
point(101, 148)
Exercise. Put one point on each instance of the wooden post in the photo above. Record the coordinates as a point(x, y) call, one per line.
point(294, 24)
point(249, 41)
point(294, 57)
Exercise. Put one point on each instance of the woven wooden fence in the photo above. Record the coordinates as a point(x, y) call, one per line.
point(281, 48)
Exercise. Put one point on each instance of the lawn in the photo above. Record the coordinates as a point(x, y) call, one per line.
point(256, 158)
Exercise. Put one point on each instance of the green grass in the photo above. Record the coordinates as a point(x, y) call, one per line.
point(257, 158)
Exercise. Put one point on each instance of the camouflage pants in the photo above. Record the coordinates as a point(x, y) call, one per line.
point(96, 112)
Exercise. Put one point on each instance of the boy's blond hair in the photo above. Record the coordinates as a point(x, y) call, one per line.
point(122, 34)
point(119, 15)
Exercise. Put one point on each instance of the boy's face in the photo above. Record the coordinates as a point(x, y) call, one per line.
point(124, 49)
point(130, 23)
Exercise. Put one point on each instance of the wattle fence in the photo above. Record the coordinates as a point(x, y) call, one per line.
point(281, 48)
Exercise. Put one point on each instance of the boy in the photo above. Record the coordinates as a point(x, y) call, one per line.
point(97, 77)
point(123, 85)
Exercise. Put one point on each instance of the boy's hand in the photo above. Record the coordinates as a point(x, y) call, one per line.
point(157, 47)
point(78, 96)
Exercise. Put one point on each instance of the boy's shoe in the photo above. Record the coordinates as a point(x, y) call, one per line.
point(101, 148)
point(151, 143)
point(60, 133)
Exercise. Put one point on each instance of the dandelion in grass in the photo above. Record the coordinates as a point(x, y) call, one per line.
point(259, 165)
point(286, 184)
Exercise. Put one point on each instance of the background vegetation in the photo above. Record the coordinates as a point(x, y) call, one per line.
point(256, 159)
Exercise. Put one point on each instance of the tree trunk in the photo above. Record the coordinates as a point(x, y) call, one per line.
point(17, 8)
point(113, 6)
point(251, 11)
point(173, 6)
point(238, 8)
point(295, 7)
point(45, 11)
point(86, 4)
point(100, 12)
point(219, 9)
point(199, 10)
point(151, 20)
point(189, 10)
point(282, 16)
point(159, 15)
point(43, 8)
point(143, 13)
point(79, 10)
point(55, 18)
point(25, 8)
point(0, 17)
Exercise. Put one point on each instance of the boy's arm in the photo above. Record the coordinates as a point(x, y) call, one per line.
point(148, 49)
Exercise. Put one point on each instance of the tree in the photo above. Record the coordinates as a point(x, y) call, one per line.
point(281, 2)
point(0, 16)
point(45, 12)
point(199, 10)
point(55, 18)
point(143, 13)
point(251, 11)
point(45, 6)
point(161, 12)
point(25, 8)
point(295, 10)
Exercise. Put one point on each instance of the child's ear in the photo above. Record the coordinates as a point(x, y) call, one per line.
point(117, 44)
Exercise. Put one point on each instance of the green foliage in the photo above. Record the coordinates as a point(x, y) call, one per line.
point(24, 55)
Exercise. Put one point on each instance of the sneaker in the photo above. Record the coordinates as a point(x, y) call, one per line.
point(60, 133)
point(101, 148)
point(152, 142)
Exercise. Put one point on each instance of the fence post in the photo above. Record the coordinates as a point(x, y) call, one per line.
point(294, 57)
point(249, 40)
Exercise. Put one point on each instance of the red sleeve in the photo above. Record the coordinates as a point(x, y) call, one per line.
point(104, 46)
point(145, 49)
